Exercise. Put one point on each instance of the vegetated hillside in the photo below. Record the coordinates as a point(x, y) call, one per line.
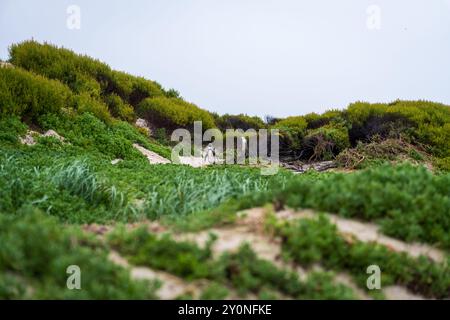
point(420, 123)
point(63, 202)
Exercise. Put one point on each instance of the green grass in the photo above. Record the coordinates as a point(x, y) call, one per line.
point(47, 188)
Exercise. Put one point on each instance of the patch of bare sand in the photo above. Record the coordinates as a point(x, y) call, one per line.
point(400, 293)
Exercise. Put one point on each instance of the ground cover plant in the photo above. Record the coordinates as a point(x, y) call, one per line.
point(408, 202)
point(35, 253)
point(242, 271)
point(309, 241)
point(393, 170)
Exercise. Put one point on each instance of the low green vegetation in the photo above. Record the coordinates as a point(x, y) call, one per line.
point(320, 137)
point(309, 241)
point(79, 185)
point(51, 185)
point(243, 271)
point(409, 202)
point(35, 253)
point(173, 113)
point(240, 121)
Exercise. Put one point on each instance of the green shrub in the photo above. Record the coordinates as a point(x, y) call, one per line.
point(28, 95)
point(10, 129)
point(410, 203)
point(82, 74)
point(240, 121)
point(424, 122)
point(84, 103)
point(114, 139)
point(292, 131)
point(173, 113)
point(143, 89)
point(309, 241)
point(242, 270)
point(315, 120)
point(119, 109)
point(325, 142)
point(184, 259)
point(36, 252)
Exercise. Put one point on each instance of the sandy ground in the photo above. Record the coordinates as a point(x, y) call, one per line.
point(249, 228)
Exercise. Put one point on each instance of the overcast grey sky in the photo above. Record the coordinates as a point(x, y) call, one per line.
point(278, 57)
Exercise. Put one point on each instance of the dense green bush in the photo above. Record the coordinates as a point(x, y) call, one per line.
point(420, 122)
point(82, 74)
point(119, 109)
point(248, 273)
point(292, 131)
point(10, 129)
point(325, 142)
point(86, 104)
point(315, 120)
point(240, 121)
point(36, 252)
point(313, 136)
point(426, 122)
point(173, 113)
point(28, 95)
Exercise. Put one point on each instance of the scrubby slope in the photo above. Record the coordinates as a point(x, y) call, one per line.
point(61, 200)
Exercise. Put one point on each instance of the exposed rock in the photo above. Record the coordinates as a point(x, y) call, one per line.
point(54, 134)
point(28, 139)
point(143, 124)
point(152, 157)
point(115, 161)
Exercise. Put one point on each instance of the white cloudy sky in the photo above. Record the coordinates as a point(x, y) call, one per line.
point(278, 57)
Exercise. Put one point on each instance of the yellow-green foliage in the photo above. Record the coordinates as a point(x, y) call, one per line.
point(327, 141)
point(29, 95)
point(315, 120)
point(84, 103)
point(431, 120)
point(119, 108)
point(292, 130)
point(81, 73)
point(26, 94)
point(173, 113)
point(295, 124)
point(240, 121)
